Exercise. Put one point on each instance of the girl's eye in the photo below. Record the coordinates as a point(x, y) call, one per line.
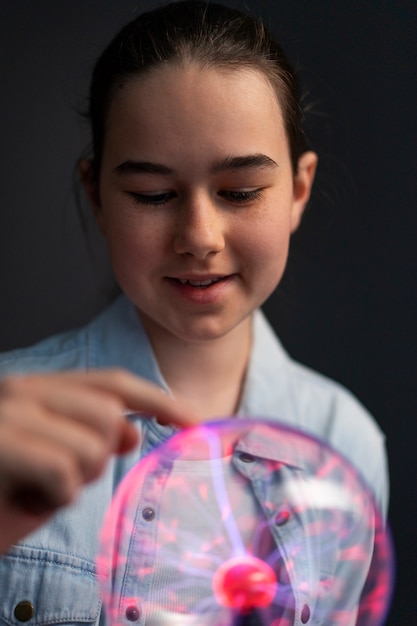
point(152, 198)
point(240, 196)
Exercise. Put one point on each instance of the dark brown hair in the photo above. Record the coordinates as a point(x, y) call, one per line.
point(205, 33)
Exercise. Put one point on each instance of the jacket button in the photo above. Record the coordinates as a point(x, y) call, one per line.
point(246, 457)
point(24, 611)
point(132, 613)
point(305, 614)
point(148, 514)
point(282, 518)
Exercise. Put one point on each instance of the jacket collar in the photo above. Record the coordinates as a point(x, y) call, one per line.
point(118, 339)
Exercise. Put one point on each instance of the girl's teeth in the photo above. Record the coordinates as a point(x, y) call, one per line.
point(198, 283)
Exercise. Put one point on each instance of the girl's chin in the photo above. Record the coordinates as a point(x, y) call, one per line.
point(190, 330)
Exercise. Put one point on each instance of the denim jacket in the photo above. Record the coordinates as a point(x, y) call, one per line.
point(52, 571)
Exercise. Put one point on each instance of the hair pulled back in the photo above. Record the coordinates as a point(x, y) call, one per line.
point(208, 34)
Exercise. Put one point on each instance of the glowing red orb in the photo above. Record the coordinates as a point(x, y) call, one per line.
point(244, 583)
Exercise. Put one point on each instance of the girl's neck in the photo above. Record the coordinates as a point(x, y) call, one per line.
point(209, 375)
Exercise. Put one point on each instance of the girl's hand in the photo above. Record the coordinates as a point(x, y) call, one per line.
point(57, 432)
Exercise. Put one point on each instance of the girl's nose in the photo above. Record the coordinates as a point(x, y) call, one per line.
point(199, 228)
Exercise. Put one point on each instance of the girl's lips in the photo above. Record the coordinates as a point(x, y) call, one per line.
point(202, 290)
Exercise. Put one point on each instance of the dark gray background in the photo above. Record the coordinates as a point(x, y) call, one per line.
point(348, 304)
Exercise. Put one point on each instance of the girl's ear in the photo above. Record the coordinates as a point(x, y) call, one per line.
point(303, 182)
point(85, 169)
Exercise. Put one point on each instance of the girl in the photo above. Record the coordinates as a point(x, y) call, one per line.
point(199, 175)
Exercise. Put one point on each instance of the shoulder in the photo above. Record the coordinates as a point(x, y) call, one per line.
point(328, 401)
point(62, 351)
point(74, 348)
point(114, 338)
point(336, 414)
point(306, 396)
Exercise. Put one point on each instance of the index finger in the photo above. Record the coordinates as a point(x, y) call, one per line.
point(138, 395)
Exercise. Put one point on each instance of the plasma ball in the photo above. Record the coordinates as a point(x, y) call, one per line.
point(229, 561)
point(244, 583)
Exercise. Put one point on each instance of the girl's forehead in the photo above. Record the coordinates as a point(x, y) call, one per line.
point(191, 85)
point(190, 108)
point(189, 118)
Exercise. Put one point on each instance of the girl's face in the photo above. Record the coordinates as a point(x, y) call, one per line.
point(197, 197)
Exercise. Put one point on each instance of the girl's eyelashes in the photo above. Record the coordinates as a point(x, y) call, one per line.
point(233, 196)
point(241, 196)
point(152, 198)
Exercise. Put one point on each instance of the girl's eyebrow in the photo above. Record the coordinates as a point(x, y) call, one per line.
point(250, 161)
point(142, 167)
